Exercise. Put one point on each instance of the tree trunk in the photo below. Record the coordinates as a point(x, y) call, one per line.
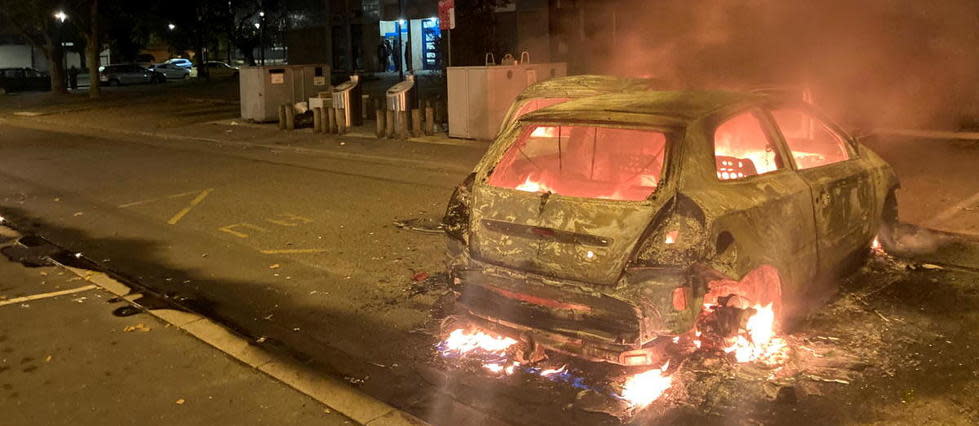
point(92, 51)
point(55, 54)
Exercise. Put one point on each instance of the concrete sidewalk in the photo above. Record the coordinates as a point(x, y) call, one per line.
point(85, 357)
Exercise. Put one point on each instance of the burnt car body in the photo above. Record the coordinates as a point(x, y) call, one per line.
point(600, 227)
point(563, 89)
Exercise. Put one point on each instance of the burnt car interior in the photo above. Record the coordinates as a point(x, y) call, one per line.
point(584, 161)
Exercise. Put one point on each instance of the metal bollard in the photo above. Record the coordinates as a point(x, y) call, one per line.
point(282, 117)
point(416, 123)
point(403, 124)
point(381, 123)
point(290, 117)
point(389, 118)
point(429, 119)
point(331, 120)
point(317, 120)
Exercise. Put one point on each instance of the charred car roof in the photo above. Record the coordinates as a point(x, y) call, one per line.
point(580, 86)
point(673, 108)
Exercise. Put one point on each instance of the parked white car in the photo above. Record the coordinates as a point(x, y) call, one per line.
point(171, 71)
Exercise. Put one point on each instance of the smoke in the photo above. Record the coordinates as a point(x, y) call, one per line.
point(871, 63)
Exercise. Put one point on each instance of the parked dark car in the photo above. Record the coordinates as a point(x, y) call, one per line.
point(21, 79)
point(605, 227)
point(117, 75)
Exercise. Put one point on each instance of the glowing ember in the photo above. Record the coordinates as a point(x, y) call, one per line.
point(644, 388)
point(671, 237)
point(532, 186)
point(758, 341)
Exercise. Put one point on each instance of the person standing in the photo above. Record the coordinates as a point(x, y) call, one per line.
point(73, 78)
point(382, 56)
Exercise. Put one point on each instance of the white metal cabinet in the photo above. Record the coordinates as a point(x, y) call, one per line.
point(264, 88)
point(480, 96)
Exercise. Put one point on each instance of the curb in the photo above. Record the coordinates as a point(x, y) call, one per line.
point(331, 392)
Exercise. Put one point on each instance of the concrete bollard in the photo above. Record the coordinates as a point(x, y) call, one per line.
point(282, 117)
point(403, 124)
point(381, 123)
point(416, 123)
point(317, 120)
point(389, 118)
point(429, 119)
point(331, 120)
point(290, 117)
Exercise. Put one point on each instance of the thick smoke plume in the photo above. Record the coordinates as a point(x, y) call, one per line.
point(897, 63)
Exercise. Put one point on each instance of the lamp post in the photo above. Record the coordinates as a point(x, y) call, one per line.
point(261, 36)
point(171, 27)
point(61, 17)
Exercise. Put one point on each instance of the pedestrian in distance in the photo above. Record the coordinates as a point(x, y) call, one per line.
point(73, 77)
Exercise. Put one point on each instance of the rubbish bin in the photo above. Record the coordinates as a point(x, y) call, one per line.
point(347, 96)
point(400, 99)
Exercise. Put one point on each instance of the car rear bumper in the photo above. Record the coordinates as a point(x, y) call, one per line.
point(612, 328)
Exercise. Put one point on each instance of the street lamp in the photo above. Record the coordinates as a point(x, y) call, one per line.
point(171, 26)
point(61, 16)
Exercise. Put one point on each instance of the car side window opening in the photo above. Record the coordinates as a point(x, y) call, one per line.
point(811, 141)
point(742, 148)
point(583, 161)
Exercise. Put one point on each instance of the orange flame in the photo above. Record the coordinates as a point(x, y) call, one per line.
point(464, 342)
point(644, 388)
point(529, 185)
point(758, 341)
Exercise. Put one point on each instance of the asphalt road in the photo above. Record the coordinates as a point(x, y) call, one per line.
point(297, 248)
point(298, 251)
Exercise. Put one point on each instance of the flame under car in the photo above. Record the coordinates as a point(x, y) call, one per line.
point(602, 227)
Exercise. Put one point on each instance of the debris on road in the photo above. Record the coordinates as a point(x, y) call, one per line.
point(424, 225)
point(180, 401)
point(275, 266)
point(138, 327)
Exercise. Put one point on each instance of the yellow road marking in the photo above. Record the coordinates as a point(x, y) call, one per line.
point(299, 220)
point(294, 251)
point(193, 203)
point(47, 295)
point(136, 203)
point(230, 229)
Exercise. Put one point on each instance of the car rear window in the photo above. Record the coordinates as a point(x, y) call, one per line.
point(583, 161)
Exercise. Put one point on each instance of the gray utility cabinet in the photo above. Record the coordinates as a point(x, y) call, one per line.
point(264, 88)
point(480, 96)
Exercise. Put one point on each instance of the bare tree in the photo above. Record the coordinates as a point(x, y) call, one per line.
point(35, 21)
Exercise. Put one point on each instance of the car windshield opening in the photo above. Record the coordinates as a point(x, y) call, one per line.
point(583, 161)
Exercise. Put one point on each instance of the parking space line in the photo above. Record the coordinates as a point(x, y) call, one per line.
point(294, 251)
point(168, 197)
point(947, 214)
point(193, 203)
point(230, 229)
point(47, 295)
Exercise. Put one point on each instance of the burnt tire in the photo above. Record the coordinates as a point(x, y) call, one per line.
point(889, 224)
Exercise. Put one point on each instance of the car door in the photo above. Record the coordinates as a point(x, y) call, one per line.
point(757, 200)
point(840, 184)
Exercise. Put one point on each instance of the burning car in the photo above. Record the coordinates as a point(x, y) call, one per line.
point(610, 227)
